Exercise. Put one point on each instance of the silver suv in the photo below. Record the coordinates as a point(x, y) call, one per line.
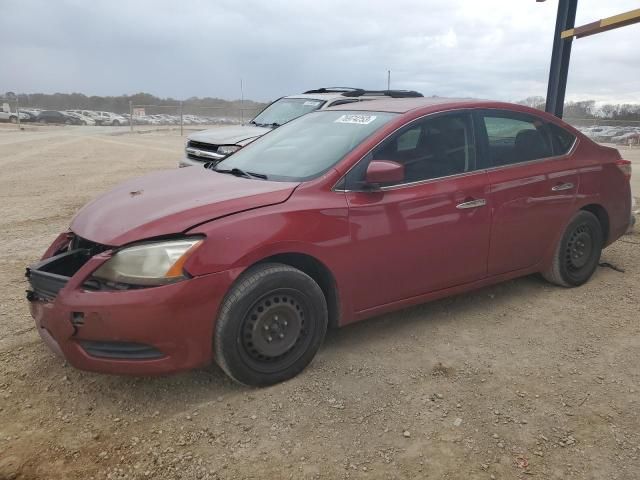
point(218, 143)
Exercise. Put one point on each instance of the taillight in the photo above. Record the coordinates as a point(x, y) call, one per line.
point(625, 168)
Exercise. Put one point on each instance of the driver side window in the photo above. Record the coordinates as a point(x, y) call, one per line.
point(430, 148)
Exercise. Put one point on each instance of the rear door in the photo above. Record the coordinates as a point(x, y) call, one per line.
point(429, 231)
point(533, 183)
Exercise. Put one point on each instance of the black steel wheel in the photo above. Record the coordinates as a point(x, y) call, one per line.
point(578, 252)
point(271, 324)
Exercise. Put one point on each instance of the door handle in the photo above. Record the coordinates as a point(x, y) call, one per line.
point(562, 186)
point(480, 202)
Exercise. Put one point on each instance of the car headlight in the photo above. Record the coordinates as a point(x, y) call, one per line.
point(149, 264)
point(228, 149)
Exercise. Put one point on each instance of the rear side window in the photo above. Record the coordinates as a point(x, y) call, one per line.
point(516, 138)
point(562, 140)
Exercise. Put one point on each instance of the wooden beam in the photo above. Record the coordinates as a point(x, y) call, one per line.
point(617, 21)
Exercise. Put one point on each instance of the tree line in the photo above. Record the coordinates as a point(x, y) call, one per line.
point(585, 109)
point(588, 109)
point(120, 104)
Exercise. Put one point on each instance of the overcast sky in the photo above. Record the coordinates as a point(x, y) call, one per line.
point(180, 48)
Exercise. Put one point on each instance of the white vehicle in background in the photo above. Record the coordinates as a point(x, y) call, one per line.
point(6, 115)
point(85, 119)
point(88, 113)
point(216, 144)
point(108, 118)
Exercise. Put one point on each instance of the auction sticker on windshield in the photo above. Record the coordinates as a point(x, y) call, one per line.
point(310, 103)
point(360, 119)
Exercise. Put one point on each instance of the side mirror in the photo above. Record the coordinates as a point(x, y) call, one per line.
point(384, 171)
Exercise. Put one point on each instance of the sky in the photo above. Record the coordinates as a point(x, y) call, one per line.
point(497, 49)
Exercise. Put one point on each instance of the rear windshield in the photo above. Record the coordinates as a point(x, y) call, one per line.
point(308, 146)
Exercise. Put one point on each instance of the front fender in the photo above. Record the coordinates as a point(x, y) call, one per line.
point(236, 242)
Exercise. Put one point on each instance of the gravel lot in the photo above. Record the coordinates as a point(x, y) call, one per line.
point(519, 380)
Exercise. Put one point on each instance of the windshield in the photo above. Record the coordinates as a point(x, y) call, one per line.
point(308, 146)
point(285, 110)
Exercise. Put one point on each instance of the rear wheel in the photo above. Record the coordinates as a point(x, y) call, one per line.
point(116, 123)
point(271, 324)
point(578, 252)
point(13, 119)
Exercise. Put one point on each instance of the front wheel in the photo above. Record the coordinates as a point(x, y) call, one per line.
point(578, 252)
point(116, 123)
point(13, 119)
point(271, 324)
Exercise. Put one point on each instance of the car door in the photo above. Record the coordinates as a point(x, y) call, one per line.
point(533, 187)
point(428, 232)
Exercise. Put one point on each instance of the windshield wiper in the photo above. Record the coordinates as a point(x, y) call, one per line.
point(241, 173)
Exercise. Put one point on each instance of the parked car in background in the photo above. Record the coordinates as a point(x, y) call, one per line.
point(216, 144)
point(6, 115)
point(54, 116)
point(88, 113)
point(31, 115)
point(111, 119)
point(84, 119)
point(339, 215)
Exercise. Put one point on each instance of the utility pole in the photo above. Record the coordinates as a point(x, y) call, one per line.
point(18, 111)
point(388, 79)
point(241, 102)
point(131, 116)
point(181, 121)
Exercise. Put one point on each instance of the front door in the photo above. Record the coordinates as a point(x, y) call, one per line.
point(428, 232)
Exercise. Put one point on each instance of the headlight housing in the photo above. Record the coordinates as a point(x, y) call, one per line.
point(149, 264)
point(228, 149)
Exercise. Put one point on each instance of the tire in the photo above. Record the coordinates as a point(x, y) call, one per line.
point(13, 119)
point(578, 252)
point(84, 122)
point(116, 123)
point(42, 121)
point(67, 122)
point(271, 324)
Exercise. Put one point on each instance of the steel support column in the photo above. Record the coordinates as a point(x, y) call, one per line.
point(560, 57)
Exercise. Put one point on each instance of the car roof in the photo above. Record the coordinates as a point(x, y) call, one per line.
point(438, 104)
point(403, 105)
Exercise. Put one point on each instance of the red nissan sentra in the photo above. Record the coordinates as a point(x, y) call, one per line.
point(336, 216)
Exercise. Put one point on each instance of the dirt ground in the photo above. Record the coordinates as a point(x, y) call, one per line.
point(520, 380)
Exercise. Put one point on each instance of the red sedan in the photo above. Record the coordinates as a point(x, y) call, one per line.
point(334, 217)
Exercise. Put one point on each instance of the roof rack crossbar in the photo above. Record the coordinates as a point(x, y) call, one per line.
point(388, 93)
point(333, 90)
point(361, 92)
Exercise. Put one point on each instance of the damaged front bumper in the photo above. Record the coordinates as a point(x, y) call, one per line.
point(139, 331)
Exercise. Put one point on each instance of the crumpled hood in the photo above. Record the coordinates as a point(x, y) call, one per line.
point(170, 202)
point(229, 135)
